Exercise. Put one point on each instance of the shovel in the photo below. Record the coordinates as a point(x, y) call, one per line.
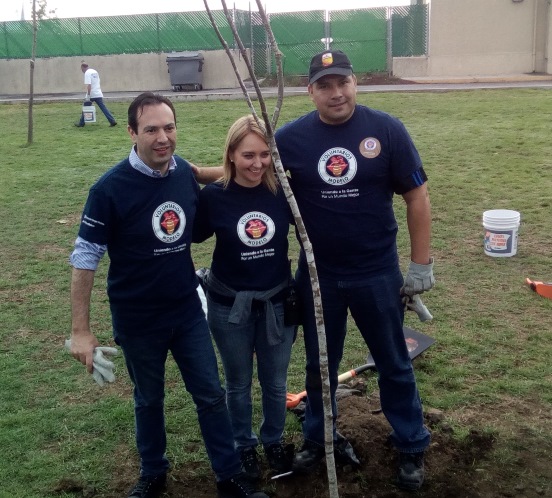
point(542, 288)
point(292, 400)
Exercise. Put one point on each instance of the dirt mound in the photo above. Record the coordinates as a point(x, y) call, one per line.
point(451, 466)
point(456, 467)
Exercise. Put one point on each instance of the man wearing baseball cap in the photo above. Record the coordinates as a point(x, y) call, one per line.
point(347, 161)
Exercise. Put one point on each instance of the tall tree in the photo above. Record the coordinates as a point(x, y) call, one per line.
point(31, 83)
point(39, 11)
point(270, 125)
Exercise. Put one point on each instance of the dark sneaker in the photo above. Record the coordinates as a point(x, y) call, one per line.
point(238, 486)
point(279, 457)
point(250, 463)
point(113, 124)
point(411, 471)
point(78, 125)
point(149, 487)
point(308, 457)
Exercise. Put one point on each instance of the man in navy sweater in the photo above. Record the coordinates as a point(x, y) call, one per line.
point(346, 162)
point(141, 212)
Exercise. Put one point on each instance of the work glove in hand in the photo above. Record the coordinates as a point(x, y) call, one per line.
point(202, 298)
point(419, 278)
point(103, 368)
point(414, 303)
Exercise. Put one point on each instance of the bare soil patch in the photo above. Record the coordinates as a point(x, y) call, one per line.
point(455, 467)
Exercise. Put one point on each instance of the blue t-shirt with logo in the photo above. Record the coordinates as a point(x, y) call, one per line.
point(251, 225)
point(147, 225)
point(344, 178)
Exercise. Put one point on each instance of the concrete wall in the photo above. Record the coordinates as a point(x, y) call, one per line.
point(467, 38)
point(484, 37)
point(130, 72)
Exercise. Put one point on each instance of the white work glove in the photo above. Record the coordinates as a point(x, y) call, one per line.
point(103, 368)
point(203, 299)
point(419, 278)
point(414, 303)
point(87, 97)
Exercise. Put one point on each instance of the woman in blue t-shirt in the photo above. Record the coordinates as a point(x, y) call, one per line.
point(246, 287)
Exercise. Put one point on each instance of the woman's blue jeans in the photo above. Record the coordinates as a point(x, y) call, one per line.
point(193, 352)
point(376, 307)
point(237, 344)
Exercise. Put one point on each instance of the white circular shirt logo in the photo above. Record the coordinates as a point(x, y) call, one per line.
point(337, 166)
point(255, 229)
point(169, 222)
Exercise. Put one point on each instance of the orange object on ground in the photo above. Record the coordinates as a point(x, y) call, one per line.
point(292, 400)
point(542, 288)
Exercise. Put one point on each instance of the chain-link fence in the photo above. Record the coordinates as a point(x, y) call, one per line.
point(368, 36)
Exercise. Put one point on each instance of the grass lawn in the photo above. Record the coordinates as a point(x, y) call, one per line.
point(490, 366)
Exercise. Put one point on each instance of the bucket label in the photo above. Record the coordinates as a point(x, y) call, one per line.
point(498, 241)
point(89, 113)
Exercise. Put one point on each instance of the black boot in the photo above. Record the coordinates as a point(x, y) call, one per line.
point(148, 487)
point(279, 457)
point(344, 452)
point(250, 463)
point(411, 471)
point(308, 457)
point(238, 486)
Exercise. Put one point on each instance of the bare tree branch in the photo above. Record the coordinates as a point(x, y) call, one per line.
point(250, 69)
point(230, 56)
point(307, 247)
point(278, 56)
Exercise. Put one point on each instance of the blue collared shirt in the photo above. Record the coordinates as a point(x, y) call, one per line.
point(87, 255)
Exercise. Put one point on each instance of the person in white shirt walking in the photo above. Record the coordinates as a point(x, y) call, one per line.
point(94, 94)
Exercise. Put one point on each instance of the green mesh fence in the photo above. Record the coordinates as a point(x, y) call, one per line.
point(137, 34)
point(363, 34)
point(410, 30)
point(299, 36)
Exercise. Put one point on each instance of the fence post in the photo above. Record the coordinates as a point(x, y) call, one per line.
point(158, 33)
point(327, 30)
point(80, 36)
point(389, 14)
point(7, 40)
point(268, 52)
point(251, 41)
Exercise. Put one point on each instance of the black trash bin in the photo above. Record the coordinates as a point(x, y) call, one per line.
point(185, 70)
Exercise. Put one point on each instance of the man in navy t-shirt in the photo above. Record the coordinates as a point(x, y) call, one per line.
point(141, 212)
point(346, 162)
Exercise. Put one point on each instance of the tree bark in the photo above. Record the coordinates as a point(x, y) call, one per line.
point(270, 126)
point(31, 84)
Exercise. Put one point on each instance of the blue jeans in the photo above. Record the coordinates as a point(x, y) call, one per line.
point(237, 343)
point(193, 352)
point(376, 307)
point(105, 110)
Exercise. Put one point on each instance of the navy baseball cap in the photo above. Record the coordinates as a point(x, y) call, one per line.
point(329, 62)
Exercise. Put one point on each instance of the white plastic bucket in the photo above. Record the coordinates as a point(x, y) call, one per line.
point(89, 113)
point(501, 232)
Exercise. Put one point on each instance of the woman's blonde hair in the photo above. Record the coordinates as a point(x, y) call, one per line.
point(237, 132)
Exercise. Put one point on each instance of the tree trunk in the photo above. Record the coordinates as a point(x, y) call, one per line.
point(270, 126)
point(31, 85)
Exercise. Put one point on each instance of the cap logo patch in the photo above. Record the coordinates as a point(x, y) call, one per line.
point(327, 59)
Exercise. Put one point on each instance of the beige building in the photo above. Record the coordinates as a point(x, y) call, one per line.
point(484, 37)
